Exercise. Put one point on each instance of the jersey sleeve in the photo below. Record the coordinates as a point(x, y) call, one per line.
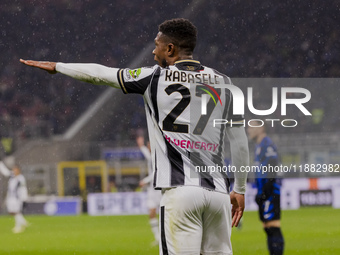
point(239, 156)
point(136, 81)
point(4, 170)
point(92, 73)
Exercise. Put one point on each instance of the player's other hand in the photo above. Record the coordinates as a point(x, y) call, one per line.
point(141, 184)
point(47, 66)
point(237, 201)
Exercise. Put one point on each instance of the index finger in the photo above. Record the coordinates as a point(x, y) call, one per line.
point(236, 219)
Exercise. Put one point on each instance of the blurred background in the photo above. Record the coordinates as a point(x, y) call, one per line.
point(72, 138)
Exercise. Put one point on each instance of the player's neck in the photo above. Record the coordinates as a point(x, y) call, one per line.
point(178, 58)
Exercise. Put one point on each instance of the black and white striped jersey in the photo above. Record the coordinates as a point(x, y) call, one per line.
point(181, 103)
point(17, 187)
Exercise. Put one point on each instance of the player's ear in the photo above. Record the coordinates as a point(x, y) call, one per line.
point(171, 49)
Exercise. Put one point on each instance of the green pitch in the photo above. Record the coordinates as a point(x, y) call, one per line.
point(306, 231)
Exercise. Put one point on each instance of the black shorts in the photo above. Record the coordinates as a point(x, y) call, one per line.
point(269, 207)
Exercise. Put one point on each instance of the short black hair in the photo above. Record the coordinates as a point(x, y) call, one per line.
point(181, 32)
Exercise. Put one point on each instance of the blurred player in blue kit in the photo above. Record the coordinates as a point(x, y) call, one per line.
point(268, 187)
point(16, 196)
point(196, 215)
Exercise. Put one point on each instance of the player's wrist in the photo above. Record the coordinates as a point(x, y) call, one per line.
point(238, 192)
point(57, 67)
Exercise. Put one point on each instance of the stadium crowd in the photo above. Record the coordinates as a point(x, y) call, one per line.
point(239, 38)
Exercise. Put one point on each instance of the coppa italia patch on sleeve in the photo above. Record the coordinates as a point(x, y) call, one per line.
point(135, 73)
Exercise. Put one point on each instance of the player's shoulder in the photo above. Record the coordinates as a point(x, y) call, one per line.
point(267, 141)
point(21, 178)
point(212, 69)
point(225, 77)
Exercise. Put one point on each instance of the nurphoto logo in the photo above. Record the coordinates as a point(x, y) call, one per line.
point(238, 103)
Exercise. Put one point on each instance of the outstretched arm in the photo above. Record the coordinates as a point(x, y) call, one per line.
point(92, 73)
point(4, 170)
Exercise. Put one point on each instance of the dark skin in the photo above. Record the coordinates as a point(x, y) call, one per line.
point(166, 53)
point(47, 66)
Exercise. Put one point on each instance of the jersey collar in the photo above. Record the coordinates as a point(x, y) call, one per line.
point(189, 65)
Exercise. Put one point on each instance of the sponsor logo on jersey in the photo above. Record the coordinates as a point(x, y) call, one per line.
point(188, 144)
